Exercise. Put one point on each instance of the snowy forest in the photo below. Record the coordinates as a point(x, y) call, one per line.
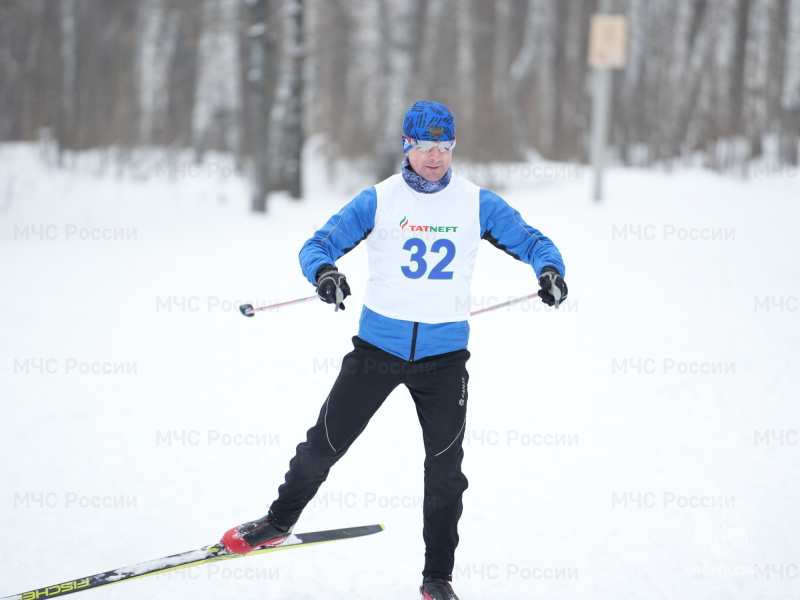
point(714, 81)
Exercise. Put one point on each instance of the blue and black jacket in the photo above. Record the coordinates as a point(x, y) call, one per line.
point(500, 224)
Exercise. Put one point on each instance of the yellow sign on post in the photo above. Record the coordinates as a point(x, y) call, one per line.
point(608, 42)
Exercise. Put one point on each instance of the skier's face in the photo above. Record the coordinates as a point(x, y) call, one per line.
point(431, 165)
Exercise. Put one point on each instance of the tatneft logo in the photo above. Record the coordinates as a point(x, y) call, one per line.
point(434, 228)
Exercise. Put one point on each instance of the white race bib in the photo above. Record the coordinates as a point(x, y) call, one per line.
point(422, 251)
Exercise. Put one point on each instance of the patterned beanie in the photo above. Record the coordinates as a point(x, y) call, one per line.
point(429, 121)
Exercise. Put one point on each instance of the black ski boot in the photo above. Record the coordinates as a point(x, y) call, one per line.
point(265, 531)
point(436, 588)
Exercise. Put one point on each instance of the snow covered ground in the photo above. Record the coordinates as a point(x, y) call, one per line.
point(640, 443)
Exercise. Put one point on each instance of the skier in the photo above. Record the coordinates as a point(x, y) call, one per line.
point(422, 229)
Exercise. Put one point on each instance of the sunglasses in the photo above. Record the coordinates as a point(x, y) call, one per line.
point(427, 146)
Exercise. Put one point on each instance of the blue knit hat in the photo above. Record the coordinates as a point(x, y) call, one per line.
point(430, 121)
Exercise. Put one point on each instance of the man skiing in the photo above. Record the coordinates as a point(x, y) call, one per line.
point(422, 229)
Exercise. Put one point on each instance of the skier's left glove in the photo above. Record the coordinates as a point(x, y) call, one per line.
point(332, 287)
point(554, 288)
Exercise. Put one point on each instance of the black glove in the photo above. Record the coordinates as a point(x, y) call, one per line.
point(332, 286)
point(550, 280)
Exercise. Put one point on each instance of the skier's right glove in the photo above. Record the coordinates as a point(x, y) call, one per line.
point(332, 287)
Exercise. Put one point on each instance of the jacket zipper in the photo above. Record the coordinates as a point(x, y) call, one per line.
point(413, 342)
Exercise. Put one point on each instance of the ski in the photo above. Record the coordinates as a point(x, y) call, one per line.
point(207, 554)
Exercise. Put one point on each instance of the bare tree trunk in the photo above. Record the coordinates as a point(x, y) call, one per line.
point(293, 148)
point(579, 117)
point(485, 124)
point(217, 93)
point(790, 95)
point(502, 55)
point(737, 90)
point(125, 103)
point(559, 112)
point(688, 138)
point(465, 68)
point(757, 75)
point(49, 73)
point(65, 125)
point(30, 55)
point(331, 74)
point(437, 44)
point(397, 23)
point(521, 75)
point(158, 33)
point(260, 78)
point(183, 71)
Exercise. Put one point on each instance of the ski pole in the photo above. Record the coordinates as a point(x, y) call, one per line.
point(502, 304)
point(248, 311)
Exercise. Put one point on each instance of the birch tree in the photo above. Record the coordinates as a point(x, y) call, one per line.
point(294, 132)
point(260, 81)
point(397, 19)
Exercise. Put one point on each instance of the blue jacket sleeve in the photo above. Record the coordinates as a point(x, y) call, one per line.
point(504, 228)
point(340, 234)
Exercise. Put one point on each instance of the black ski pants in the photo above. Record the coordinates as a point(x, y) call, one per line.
point(438, 386)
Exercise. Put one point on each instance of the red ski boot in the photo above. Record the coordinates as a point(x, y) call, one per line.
point(260, 533)
point(434, 588)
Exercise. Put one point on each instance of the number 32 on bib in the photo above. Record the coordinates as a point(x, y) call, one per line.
point(418, 250)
